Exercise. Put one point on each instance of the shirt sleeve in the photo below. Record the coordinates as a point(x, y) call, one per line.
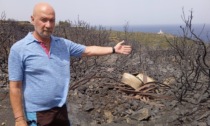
point(15, 66)
point(76, 49)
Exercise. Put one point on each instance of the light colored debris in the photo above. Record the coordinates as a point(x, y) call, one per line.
point(143, 88)
point(131, 80)
point(144, 78)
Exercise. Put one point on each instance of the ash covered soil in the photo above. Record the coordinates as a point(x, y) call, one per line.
point(100, 99)
point(103, 104)
point(100, 104)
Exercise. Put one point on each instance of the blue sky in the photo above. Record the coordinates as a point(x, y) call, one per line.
point(114, 12)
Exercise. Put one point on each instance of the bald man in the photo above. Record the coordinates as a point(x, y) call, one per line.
point(39, 71)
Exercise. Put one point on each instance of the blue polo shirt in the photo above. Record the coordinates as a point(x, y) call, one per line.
point(45, 78)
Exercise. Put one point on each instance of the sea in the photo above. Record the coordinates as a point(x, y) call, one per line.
point(202, 31)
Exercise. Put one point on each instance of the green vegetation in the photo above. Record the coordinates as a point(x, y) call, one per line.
point(146, 39)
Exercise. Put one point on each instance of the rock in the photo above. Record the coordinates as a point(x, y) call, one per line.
point(3, 124)
point(208, 120)
point(141, 114)
point(202, 124)
point(130, 121)
point(169, 80)
point(88, 106)
point(82, 89)
point(109, 116)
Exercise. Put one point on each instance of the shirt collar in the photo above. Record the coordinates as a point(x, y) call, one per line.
point(31, 39)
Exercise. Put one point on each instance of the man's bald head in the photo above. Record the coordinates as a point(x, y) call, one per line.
point(43, 8)
point(43, 19)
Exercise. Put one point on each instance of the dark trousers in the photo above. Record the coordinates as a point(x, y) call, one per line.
point(57, 116)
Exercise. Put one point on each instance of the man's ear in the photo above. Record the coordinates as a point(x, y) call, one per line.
point(32, 20)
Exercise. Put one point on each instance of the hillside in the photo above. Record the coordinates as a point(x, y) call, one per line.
point(146, 39)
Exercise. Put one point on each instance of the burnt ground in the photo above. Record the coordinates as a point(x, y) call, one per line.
point(6, 115)
point(103, 104)
point(99, 101)
point(107, 106)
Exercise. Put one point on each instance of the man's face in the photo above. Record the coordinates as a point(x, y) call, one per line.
point(44, 23)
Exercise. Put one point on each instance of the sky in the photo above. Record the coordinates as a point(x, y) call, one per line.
point(114, 12)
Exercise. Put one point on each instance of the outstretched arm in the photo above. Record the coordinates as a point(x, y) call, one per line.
point(99, 50)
